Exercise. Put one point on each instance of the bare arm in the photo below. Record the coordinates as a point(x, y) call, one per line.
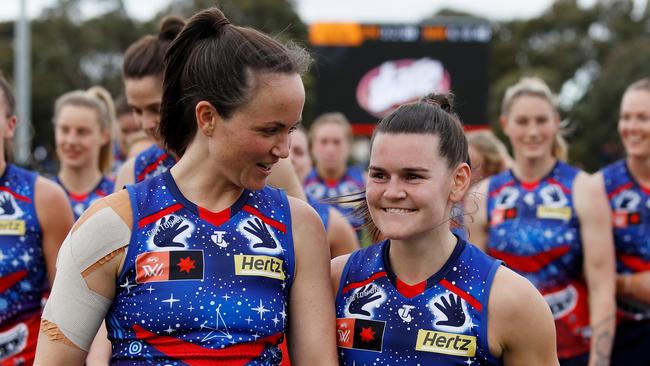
point(336, 270)
point(340, 235)
point(476, 208)
point(311, 319)
point(598, 246)
point(55, 217)
point(634, 285)
point(125, 175)
point(283, 176)
point(521, 329)
point(100, 351)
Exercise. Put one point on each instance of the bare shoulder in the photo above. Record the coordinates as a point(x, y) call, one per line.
point(304, 211)
point(48, 191)
point(125, 175)
point(336, 269)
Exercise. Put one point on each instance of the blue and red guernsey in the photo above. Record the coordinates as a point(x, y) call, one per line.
point(80, 202)
point(152, 162)
point(441, 321)
point(534, 229)
point(23, 275)
point(630, 204)
point(199, 287)
point(322, 209)
point(351, 182)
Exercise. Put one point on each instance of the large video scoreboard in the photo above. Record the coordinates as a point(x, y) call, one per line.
point(367, 70)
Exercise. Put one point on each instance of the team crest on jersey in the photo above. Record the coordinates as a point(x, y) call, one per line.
point(363, 302)
point(316, 190)
point(562, 302)
point(13, 341)
point(554, 204)
point(450, 313)
point(171, 231)
point(10, 213)
point(626, 205)
point(261, 236)
point(178, 265)
point(361, 334)
point(507, 198)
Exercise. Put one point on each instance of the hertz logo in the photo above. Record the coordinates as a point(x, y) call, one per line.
point(12, 227)
point(558, 213)
point(446, 343)
point(259, 265)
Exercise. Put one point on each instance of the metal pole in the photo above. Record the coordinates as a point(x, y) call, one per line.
point(22, 72)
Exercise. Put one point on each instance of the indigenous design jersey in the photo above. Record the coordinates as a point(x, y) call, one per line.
point(23, 275)
point(152, 162)
point(351, 182)
point(80, 202)
point(534, 229)
point(630, 204)
point(203, 288)
point(322, 209)
point(441, 321)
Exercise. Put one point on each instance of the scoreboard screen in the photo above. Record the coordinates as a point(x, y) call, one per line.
point(367, 70)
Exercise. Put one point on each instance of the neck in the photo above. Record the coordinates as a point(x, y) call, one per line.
point(335, 173)
point(640, 169)
point(199, 180)
point(80, 180)
point(416, 259)
point(531, 170)
point(3, 164)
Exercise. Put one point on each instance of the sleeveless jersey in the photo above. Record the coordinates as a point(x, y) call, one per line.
point(80, 202)
point(630, 203)
point(442, 321)
point(23, 275)
point(152, 162)
point(203, 288)
point(322, 209)
point(351, 182)
point(534, 229)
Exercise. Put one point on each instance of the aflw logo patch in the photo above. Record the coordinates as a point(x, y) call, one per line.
point(446, 343)
point(360, 334)
point(259, 265)
point(175, 265)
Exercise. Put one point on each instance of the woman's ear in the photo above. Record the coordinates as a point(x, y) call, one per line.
point(461, 176)
point(206, 117)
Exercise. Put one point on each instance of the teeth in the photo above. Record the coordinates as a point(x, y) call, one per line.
point(397, 210)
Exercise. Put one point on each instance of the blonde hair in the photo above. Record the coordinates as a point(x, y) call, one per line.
point(534, 86)
point(332, 117)
point(99, 100)
point(643, 84)
point(492, 149)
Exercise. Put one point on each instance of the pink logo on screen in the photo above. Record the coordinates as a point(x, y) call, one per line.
point(393, 83)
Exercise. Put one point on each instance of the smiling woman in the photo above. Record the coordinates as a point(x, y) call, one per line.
point(231, 97)
point(424, 293)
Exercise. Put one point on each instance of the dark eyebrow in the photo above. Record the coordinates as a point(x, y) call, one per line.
point(405, 170)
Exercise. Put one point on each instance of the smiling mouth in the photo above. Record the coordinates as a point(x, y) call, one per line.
point(397, 210)
point(265, 167)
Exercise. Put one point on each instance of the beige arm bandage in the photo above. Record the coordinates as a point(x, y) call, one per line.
point(74, 308)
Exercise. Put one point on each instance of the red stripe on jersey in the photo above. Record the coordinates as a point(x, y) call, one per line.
point(155, 216)
point(410, 291)
point(557, 183)
point(99, 192)
point(215, 218)
point(530, 263)
point(354, 285)
point(464, 295)
point(497, 190)
point(529, 186)
point(78, 197)
point(16, 195)
point(194, 355)
point(12, 279)
point(620, 189)
point(151, 167)
point(267, 220)
point(635, 263)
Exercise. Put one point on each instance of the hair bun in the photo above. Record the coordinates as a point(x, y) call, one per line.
point(443, 100)
point(170, 26)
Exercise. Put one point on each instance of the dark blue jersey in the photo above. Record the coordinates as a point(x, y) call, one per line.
point(351, 182)
point(152, 162)
point(80, 202)
point(322, 209)
point(23, 274)
point(534, 229)
point(441, 321)
point(630, 203)
point(199, 287)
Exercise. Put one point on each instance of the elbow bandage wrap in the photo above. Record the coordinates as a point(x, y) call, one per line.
point(74, 308)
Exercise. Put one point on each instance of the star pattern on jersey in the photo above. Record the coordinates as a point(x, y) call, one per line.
point(171, 301)
point(367, 334)
point(261, 309)
point(128, 285)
